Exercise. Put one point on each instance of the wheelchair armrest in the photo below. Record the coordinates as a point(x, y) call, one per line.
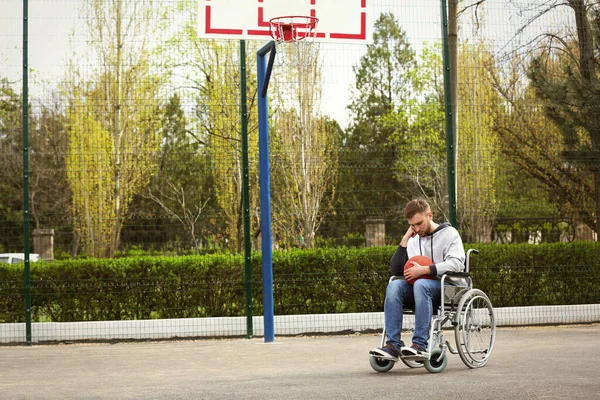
point(458, 274)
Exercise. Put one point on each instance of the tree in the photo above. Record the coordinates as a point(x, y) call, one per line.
point(221, 123)
point(209, 70)
point(478, 103)
point(11, 186)
point(114, 122)
point(418, 135)
point(383, 75)
point(49, 194)
point(367, 183)
point(48, 187)
point(179, 186)
point(305, 159)
point(521, 126)
point(565, 77)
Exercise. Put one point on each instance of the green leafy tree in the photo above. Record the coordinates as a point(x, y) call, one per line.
point(418, 135)
point(114, 122)
point(478, 103)
point(382, 76)
point(367, 181)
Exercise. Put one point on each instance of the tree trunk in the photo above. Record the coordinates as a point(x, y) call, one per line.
point(118, 136)
point(240, 225)
point(585, 39)
point(588, 83)
point(597, 179)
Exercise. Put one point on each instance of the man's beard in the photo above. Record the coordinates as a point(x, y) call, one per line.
point(427, 231)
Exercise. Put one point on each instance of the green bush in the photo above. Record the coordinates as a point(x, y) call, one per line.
point(545, 274)
point(337, 280)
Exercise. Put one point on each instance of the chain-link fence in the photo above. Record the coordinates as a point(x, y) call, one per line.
point(135, 149)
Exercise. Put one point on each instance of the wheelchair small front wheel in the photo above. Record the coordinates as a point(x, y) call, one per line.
point(433, 365)
point(380, 364)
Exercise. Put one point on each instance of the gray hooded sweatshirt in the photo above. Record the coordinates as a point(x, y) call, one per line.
point(443, 246)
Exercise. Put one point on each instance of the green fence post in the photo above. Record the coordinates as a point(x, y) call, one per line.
point(449, 124)
point(25, 133)
point(246, 190)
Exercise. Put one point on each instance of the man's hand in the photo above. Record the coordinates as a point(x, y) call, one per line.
point(416, 271)
point(409, 233)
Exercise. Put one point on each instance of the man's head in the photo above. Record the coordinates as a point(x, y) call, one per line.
point(418, 214)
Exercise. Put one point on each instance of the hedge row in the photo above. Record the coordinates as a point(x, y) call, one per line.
point(305, 282)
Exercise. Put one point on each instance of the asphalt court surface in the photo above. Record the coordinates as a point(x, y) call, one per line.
point(555, 362)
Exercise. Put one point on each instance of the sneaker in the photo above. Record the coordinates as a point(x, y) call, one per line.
point(387, 352)
point(413, 350)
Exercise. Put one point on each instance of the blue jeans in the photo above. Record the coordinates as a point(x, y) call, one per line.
point(423, 298)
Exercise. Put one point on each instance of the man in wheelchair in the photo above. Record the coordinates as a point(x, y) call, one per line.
point(442, 244)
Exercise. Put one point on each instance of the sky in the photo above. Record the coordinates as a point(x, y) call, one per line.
point(52, 43)
point(52, 22)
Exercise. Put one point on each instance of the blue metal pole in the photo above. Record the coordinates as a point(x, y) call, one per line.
point(264, 72)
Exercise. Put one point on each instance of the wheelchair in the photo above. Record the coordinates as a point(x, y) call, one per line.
point(472, 316)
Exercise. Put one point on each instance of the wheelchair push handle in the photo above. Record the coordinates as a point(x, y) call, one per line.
point(468, 257)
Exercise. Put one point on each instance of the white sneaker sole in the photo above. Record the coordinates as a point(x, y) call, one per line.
point(411, 353)
point(383, 355)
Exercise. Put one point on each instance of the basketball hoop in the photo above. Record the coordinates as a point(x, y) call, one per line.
point(293, 28)
point(297, 33)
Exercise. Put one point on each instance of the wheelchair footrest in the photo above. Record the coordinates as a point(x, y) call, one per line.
point(418, 357)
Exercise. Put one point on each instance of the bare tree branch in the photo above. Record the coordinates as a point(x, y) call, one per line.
point(187, 215)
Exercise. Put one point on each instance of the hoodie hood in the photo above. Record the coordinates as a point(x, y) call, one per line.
point(441, 226)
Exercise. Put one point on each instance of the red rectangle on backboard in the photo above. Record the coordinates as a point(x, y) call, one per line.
point(339, 20)
point(356, 36)
point(208, 28)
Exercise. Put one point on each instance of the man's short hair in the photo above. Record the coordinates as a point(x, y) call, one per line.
point(416, 206)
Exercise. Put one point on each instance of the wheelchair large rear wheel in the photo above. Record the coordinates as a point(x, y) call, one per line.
point(475, 328)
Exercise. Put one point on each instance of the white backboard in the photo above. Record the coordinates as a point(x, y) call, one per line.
point(339, 20)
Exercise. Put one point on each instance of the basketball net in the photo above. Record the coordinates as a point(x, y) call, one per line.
point(295, 36)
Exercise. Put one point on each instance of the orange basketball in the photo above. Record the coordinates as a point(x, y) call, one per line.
point(421, 260)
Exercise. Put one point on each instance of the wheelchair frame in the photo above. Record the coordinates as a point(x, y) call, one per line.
point(471, 314)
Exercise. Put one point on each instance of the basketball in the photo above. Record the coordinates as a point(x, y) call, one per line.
point(421, 260)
